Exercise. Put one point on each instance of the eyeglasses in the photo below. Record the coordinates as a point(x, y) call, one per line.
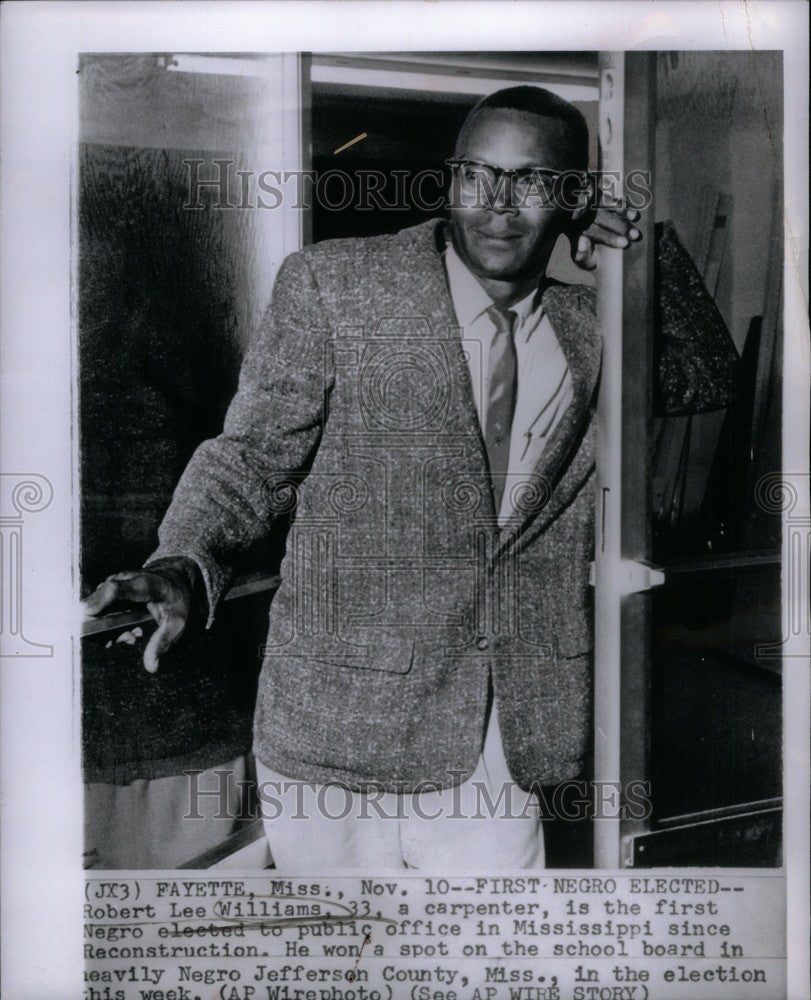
point(527, 182)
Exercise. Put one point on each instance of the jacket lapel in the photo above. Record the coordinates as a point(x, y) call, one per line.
point(431, 298)
point(548, 490)
point(555, 479)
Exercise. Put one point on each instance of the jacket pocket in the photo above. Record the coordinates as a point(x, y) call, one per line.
point(387, 659)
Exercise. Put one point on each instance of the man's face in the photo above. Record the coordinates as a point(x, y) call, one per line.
point(499, 239)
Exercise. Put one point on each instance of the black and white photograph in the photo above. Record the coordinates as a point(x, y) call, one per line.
point(398, 458)
point(432, 500)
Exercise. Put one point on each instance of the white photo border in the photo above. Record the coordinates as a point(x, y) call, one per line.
point(39, 45)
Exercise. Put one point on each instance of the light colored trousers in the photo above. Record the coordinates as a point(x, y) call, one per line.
point(146, 824)
point(486, 823)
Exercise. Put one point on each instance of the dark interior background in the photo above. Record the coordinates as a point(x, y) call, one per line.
point(165, 308)
point(715, 728)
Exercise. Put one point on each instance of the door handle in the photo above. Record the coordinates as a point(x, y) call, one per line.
point(634, 577)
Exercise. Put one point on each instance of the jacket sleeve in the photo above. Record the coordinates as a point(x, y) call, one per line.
point(237, 483)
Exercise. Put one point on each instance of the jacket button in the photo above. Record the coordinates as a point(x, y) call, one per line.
point(482, 642)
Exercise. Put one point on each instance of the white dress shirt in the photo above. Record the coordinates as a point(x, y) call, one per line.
point(544, 381)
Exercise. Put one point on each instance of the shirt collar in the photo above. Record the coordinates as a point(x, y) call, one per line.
point(470, 300)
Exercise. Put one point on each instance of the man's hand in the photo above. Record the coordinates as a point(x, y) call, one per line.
point(168, 588)
point(611, 226)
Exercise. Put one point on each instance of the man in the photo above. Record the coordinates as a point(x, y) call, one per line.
point(420, 407)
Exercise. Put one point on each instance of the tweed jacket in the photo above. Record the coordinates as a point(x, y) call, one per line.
point(401, 598)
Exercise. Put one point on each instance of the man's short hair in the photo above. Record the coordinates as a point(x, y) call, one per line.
point(545, 104)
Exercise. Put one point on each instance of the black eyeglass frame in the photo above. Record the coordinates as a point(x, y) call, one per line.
point(553, 176)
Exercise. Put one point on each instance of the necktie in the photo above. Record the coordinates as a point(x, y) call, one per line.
point(501, 387)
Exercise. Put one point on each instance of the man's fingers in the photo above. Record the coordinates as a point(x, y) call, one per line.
point(584, 255)
point(139, 588)
point(617, 241)
point(613, 222)
point(616, 206)
point(105, 594)
point(167, 594)
point(165, 636)
point(610, 222)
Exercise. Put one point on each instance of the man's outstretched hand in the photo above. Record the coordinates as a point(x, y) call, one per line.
point(169, 588)
point(611, 226)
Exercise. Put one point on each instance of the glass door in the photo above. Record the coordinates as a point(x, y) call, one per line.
point(688, 564)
